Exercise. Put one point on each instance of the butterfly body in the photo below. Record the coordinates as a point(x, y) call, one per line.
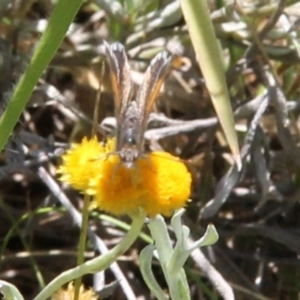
point(128, 136)
point(132, 115)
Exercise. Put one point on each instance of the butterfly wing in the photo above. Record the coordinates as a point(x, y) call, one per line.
point(153, 79)
point(120, 78)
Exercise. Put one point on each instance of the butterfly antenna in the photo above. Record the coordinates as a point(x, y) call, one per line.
point(98, 99)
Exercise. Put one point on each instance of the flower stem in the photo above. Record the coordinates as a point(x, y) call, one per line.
point(97, 264)
point(82, 241)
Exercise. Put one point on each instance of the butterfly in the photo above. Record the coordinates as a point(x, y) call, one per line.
point(132, 115)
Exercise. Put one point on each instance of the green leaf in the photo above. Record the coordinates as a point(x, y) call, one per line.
point(145, 260)
point(10, 291)
point(210, 61)
point(59, 22)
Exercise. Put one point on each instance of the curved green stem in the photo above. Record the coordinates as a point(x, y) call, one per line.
point(97, 264)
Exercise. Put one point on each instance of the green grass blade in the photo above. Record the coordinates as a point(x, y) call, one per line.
point(62, 16)
point(209, 58)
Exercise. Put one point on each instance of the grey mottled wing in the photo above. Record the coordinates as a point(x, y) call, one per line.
point(154, 77)
point(120, 78)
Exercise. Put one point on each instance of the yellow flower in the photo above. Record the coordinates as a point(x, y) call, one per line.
point(82, 162)
point(69, 293)
point(158, 183)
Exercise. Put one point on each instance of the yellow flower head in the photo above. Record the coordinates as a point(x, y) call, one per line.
point(69, 293)
point(158, 183)
point(82, 162)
